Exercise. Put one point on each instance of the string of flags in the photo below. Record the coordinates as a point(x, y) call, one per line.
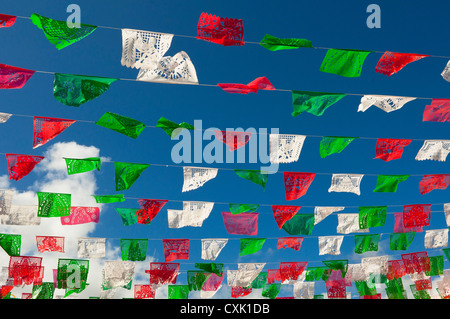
point(146, 51)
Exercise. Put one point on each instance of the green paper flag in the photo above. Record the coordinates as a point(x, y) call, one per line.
point(59, 33)
point(254, 176)
point(372, 216)
point(171, 128)
point(401, 241)
point(313, 102)
point(129, 215)
point(178, 291)
point(299, 224)
point(243, 208)
point(127, 173)
point(389, 183)
point(43, 291)
point(70, 291)
point(271, 290)
point(364, 243)
point(82, 165)
point(436, 266)
point(75, 90)
point(106, 199)
point(53, 204)
point(344, 62)
point(364, 289)
point(317, 273)
point(274, 44)
point(251, 245)
point(11, 244)
point(419, 294)
point(334, 144)
point(211, 267)
point(121, 124)
point(394, 289)
point(71, 273)
point(259, 281)
point(446, 253)
point(340, 264)
point(196, 279)
point(319, 297)
point(133, 249)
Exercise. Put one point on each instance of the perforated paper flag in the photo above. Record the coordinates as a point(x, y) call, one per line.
point(334, 144)
point(75, 90)
point(142, 49)
point(233, 140)
point(246, 273)
point(392, 62)
point(21, 215)
point(320, 212)
point(193, 214)
point(261, 83)
point(282, 213)
point(416, 262)
point(299, 224)
point(330, 245)
point(25, 270)
point(45, 290)
point(50, 243)
point(436, 238)
point(296, 184)
point(303, 290)
point(434, 150)
point(53, 204)
point(399, 228)
point(129, 216)
point(121, 124)
point(211, 248)
point(178, 291)
point(294, 243)
point(47, 128)
point(285, 148)
point(275, 44)
point(387, 103)
point(127, 173)
point(349, 223)
point(346, 183)
point(11, 244)
point(215, 268)
point(60, 33)
point(12, 77)
point(416, 215)
point(446, 72)
point(401, 241)
point(389, 183)
point(133, 249)
point(250, 246)
point(72, 273)
point(242, 208)
point(313, 102)
point(219, 30)
point(343, 62)
point(254, 176)
point(365, 243)
point(389, 149)
point(7, 20)
point(20, 165)
point(271, 291)
point(437, 111)
point(82, 165)
point(162, 273)
point(242, 224)
point(91, 248)
point(175, 249)
point(105, 199)
point(195, 177)
point(372, 216)
point(149, 209)
point(431, 182)
point(117, 274)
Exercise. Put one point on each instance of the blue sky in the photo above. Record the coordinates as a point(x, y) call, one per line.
point(417, 27)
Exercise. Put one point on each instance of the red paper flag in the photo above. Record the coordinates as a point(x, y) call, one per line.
point(149, 209)
point(291, 270)
point(273, 275)
point(437, 111)
point(144, 292)
point(25, 270)
point(224, 31)
point(290, 242)
point(234, 140)
point(377, 296)
point(5, 290)
point(396, 269)
point(12, 77)
point(423, 284)
point(241, 224)
point(399, 228)
point(237, 291)
point(6, 20)
point(47, 128)
point(261, 83)
point(416, 215)
point(416, 262)
point(213, 282)
point(21, 165)
point(389, 149)
point(81, 215)
point(176, 249)
point(50, 243)
point(296, 184)
point(392, 62)
point(430, 182)
point(283, 213)
point(163, 273)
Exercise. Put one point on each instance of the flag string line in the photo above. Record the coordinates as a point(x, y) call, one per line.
point(246, 42)
point(252, 133)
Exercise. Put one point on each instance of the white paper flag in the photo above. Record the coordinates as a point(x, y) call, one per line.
point(246, 273)
point(211, 248)
point(436, 238)
point(375, 265)
point(346, 183)
point(349, 223)
point(303, 290)
point(320, 213)
point(330, 245)
point(177, 69)
point(193, 214)
point(435, 150)
point(91, 247)
point(447, 213)
point(285, 148)
point(446, 72)
point(383, 102)
point(21, 215)
point(195, 177)
point(4, 117)
point(355, 272)
point(116, 274)
point(143, 49)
